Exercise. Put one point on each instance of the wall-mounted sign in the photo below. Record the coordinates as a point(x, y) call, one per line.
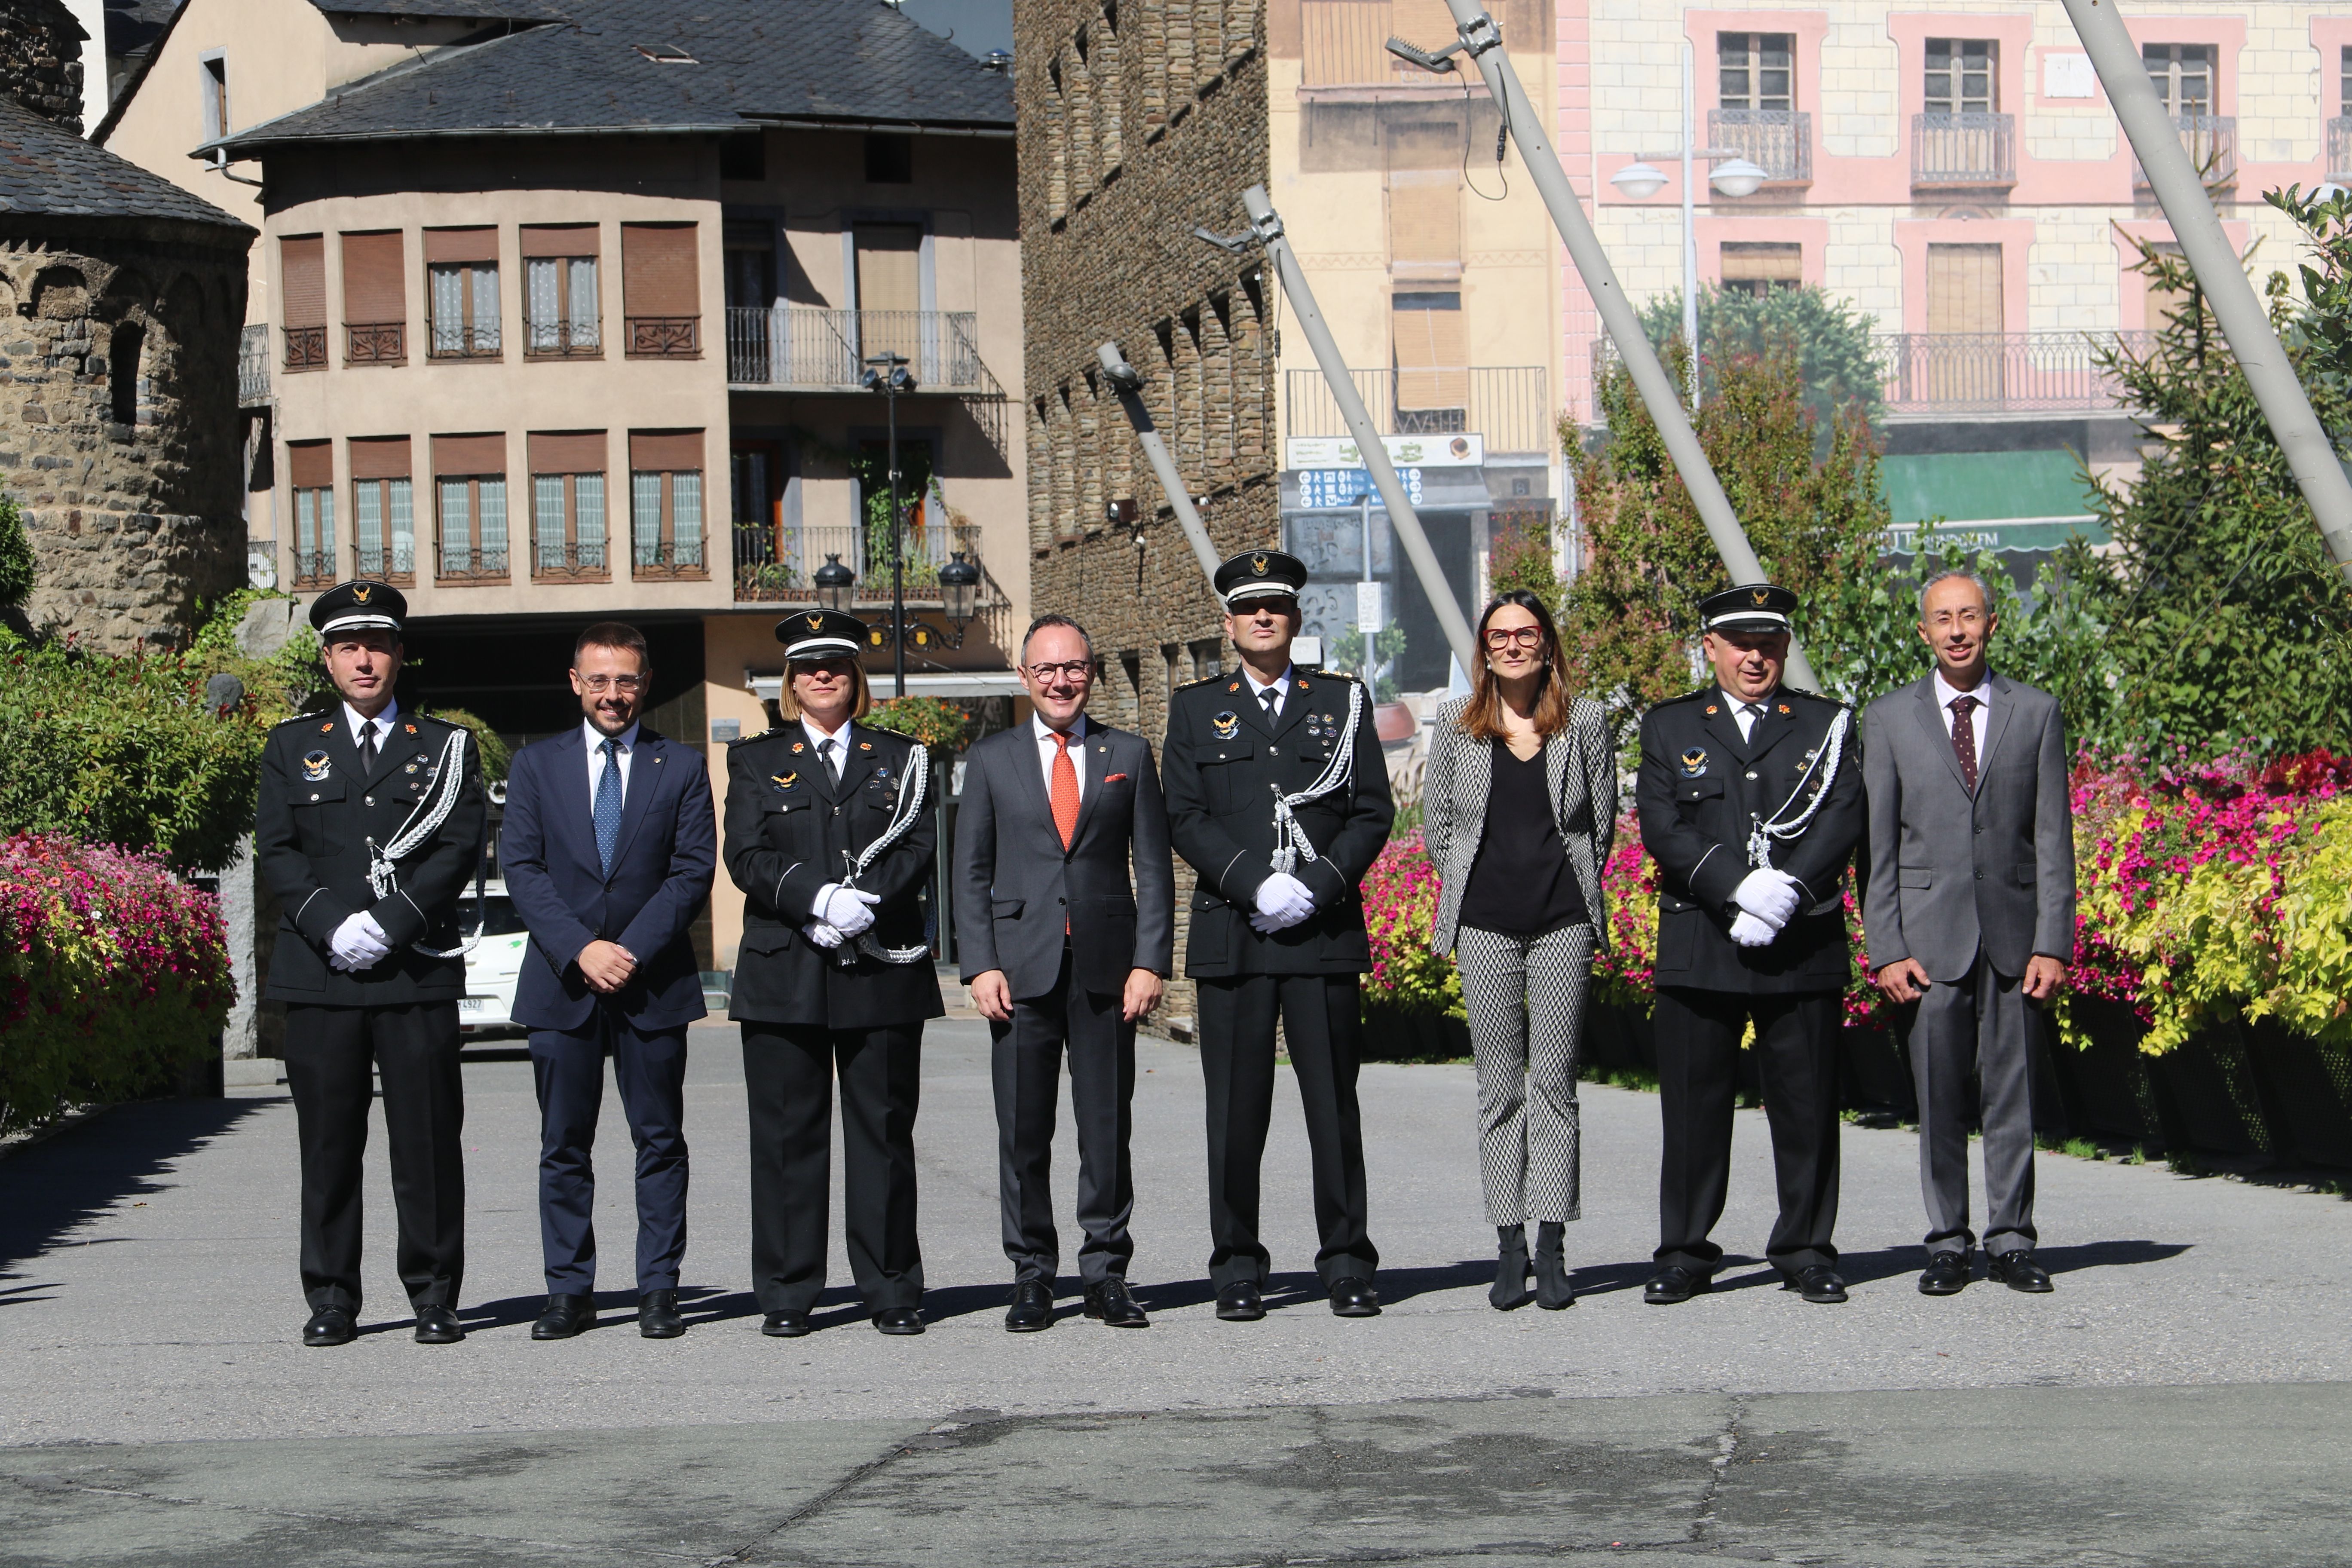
point(1465, 450)
point(1328, 488)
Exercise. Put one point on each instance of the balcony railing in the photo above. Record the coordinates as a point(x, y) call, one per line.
point(2212, 143)
point(1973, 152)
point(804, 349)
point(552, 562)
point(396, 565)
point(2339, 148)
point(562, 339)
point(452, 339)
point(456, 562)
point(306, 348)
point(778, 564)
point(1924, 374)
point(679, 558)
point(1779, 140)
point(664, 337)
point(1506, 404)
point(375, 342)
point(253, 365)
point(314, 568)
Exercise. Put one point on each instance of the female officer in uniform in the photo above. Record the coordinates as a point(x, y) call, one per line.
point(829, 836)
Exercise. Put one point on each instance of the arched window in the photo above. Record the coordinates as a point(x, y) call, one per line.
point(122, 371)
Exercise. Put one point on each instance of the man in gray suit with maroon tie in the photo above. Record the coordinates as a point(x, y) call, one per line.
point(1968, 913)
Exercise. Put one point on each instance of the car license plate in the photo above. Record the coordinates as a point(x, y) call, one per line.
point(473, 1004)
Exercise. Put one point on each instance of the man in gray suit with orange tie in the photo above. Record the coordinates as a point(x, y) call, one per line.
point(1060, 951)
point(1968, 916)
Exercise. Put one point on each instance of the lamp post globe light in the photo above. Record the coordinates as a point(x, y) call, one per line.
point(1738, 177)
point(886, 373)
point(959, 589)
point(1640, 181)
point(835, 583)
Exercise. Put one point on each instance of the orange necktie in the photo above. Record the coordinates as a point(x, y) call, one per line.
point(1066, 790)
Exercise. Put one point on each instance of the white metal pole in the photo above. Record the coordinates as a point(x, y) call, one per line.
point(1172, 482)
point(2179, 188)
point(1267, 224)
point(1690, 217)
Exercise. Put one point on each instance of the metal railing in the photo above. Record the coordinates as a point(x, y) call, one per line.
point(1931, 373)
point(253, 365)
point(562, 339)
point(664, 337)
point(553, 560)
point(314, 568)
point(458, 340)
point(778, 564)
point(1509, 405)
point(463, 562)
point(1970, 150)
point(678, 558)
point(807, 349)
point(2212, 143)
point(306, 348)
point(1780, 140)
point(396, 565)
point(2339, 148)
point(375, 342)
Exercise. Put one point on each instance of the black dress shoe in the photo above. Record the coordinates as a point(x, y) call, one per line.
point(1509, 1289)
point(1674, 1284)
point(565, 1316)
point(1819, 1283)
point(789, 1323)
point(1947, 1274)
point(1239, 1302)
point(1354, 1298)
point(328, 1326)
point(2018, 1270)
point(437, 1326)
point(1032, 1307)
point(657, 1317)
point(899, 1321)
point(1553, 1291)
point(1110, 1302)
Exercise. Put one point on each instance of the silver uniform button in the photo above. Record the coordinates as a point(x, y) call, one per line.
point(1751, 773)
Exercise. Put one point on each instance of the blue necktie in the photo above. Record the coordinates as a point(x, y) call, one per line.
point(608, 805)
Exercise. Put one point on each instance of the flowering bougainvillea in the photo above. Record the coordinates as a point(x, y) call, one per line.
point(1400, 913)
point(114, 974)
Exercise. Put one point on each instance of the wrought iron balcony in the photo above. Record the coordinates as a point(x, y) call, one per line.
point(585, 562)
point(677, 558)
point(460, 340)
point(1506, 404)
point(375, 342)
point(314, 568)
point(1778, 141)
point(563, 339)
point(396, 565)
point(778, 564)
point(459, 562)
point(800, 348)
point(253, 365)
point(1966, 151)
point(1934, 375)
point(664, 337)
point(306, 348)
point(2212, 143)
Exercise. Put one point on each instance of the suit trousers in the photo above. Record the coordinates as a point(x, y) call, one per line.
point(1025, 1059)
point(414, 1048)
point(788, 1073)
point(1699, 1035)
point(1980, 1026)
point(1323, 1025)
point(1525, 996)
point(649, 1069)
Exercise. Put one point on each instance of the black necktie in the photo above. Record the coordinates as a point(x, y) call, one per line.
point(1272, 697)
point(832, 763)
point(367, 748)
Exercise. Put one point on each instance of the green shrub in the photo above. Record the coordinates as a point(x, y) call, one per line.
point(934, 721)
point(496, 755)
point(15, 556)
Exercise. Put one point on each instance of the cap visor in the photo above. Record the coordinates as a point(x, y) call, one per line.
point(1751, 622)
point(359, 623)
point(819, 648)
point(1260, 591)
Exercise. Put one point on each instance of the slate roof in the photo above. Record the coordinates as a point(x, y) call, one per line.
point(835, 61)
point(46, 171)
point(485, 10)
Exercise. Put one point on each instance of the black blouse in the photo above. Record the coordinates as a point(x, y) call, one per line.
point(1522, 884)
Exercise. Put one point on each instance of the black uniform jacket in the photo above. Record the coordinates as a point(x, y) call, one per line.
point(310, 836)
point(1700, 791)
point(787, 827)
point(1222, 766)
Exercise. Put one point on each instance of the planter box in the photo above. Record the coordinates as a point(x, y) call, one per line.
point(2306, 1089)
point(1873, 1074)
point(1391, 1035)
point(2105, 1086)
point(2205, 1093)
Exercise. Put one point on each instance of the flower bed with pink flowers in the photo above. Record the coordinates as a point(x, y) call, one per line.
point(114, 976)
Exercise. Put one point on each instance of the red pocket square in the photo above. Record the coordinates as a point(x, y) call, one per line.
point(1113, 778)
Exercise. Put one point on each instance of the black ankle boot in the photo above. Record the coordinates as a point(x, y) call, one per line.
point(1510, 1268)
point(1552, 1289)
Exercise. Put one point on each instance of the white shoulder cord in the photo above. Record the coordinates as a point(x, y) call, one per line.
point(1760, 836)
point(1291, 843)
point(914, 779)
point(423, 823)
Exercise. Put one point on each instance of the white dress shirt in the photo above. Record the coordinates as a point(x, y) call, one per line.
point(817, 737)
point(596, 739)
point(1745, 713)
point(1280, 686)
point(381, 724)
point(1048, 750)
point(1946, 691)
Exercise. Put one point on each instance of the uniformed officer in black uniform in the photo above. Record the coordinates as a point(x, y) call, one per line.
point(1278, 797)
point(1751, 802)
point(369, 966)
point(835, 976)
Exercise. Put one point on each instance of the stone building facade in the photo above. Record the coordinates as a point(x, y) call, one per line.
point(120, 300)
point(1137, 123)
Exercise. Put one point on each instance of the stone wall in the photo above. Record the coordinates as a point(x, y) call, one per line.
point(1138, 121)
point(40, 59)
point(118, 429)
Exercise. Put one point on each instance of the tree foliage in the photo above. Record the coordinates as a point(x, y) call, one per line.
point(15, 556)
point(1827, 337)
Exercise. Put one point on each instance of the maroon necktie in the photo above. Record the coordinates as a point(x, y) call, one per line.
point(1964, 738)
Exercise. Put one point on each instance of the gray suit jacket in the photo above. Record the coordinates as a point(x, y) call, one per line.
point(1951, 874)
point(1582, 774)
point(1017, 890)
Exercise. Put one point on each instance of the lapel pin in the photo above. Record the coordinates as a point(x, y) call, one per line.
point(1236, 686)
point(412, 729)
point(865, 745)
point(327, 728)
point(1784, 708)
point(1302, 685)
point(1712, 710)
point(798, 747)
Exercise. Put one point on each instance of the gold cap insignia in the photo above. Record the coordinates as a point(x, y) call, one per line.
point(360, 591)
point(1759, 596)
point(1258, 564)
point(816, 623)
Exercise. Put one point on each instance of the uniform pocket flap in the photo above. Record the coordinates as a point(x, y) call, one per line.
point(1914, 877)
point(766, 937)
point(1699, 789)
point(1228, 752)
point(318, 792)
point(1006, 908)
point(1204, 899)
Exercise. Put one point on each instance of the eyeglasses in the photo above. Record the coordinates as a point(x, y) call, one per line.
point(1504, 636)
point(627, 685)
point(1072, 671)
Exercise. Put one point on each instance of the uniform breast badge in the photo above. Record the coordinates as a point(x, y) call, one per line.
point(1694, 761)
point(316, 766)
point(784, 781)
point(1227, 724)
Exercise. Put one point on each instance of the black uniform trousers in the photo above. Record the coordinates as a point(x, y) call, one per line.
point(1026, 1061)
point(1699, 1035)
point(649, 1069)
point(789, 1071)
point(1322, 1023)
point(329, 1055)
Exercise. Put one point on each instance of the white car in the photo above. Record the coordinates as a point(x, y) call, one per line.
point(492, 968)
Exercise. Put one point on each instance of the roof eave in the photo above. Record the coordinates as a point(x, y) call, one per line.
point(255, 146)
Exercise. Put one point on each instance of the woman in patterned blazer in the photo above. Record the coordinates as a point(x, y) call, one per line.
point(1520, 804)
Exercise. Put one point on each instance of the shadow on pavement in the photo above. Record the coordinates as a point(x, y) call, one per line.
point(54, 1187)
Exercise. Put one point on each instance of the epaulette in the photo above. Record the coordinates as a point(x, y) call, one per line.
point(746, 740)
point(1187, 686)
point(1686, 697)
point(1815, 696)
point(304, 718)
point(1329, 674)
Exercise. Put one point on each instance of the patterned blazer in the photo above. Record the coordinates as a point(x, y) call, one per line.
point(1582, 772)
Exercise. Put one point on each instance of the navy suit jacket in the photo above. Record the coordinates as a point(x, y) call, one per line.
point(662, 869)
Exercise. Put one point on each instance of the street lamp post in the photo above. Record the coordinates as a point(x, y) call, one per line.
point(886, 373)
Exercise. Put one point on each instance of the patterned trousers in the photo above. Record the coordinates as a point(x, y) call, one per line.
point(1525, 1001)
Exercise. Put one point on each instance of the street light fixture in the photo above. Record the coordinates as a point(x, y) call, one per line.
point(1640, 181)
point(835, 584)
point(886, 373)
point(1739, 177)
point(960, 588)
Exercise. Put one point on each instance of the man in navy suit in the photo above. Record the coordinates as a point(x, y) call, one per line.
point(609, 847)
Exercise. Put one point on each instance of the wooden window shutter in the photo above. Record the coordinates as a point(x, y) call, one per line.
point(1769, 263)
point(380, 457)
point(458, 245)
point(657, 270)
point(310, 465)
point(470, 453)
point(302, 265)
point(890, 268)
point(1425, 218)
point(1964, 289)
point(1430, 350)
point(567, 452)
point(665, 451)
point(372, 294)
point(569, 239)
point(1425, 23)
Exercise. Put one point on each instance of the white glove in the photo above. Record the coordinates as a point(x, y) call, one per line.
point(1769, 895)
point(847, 910)
point(1747, 930)
point(1282, 901)
point(358, 943)
point(821, 934)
